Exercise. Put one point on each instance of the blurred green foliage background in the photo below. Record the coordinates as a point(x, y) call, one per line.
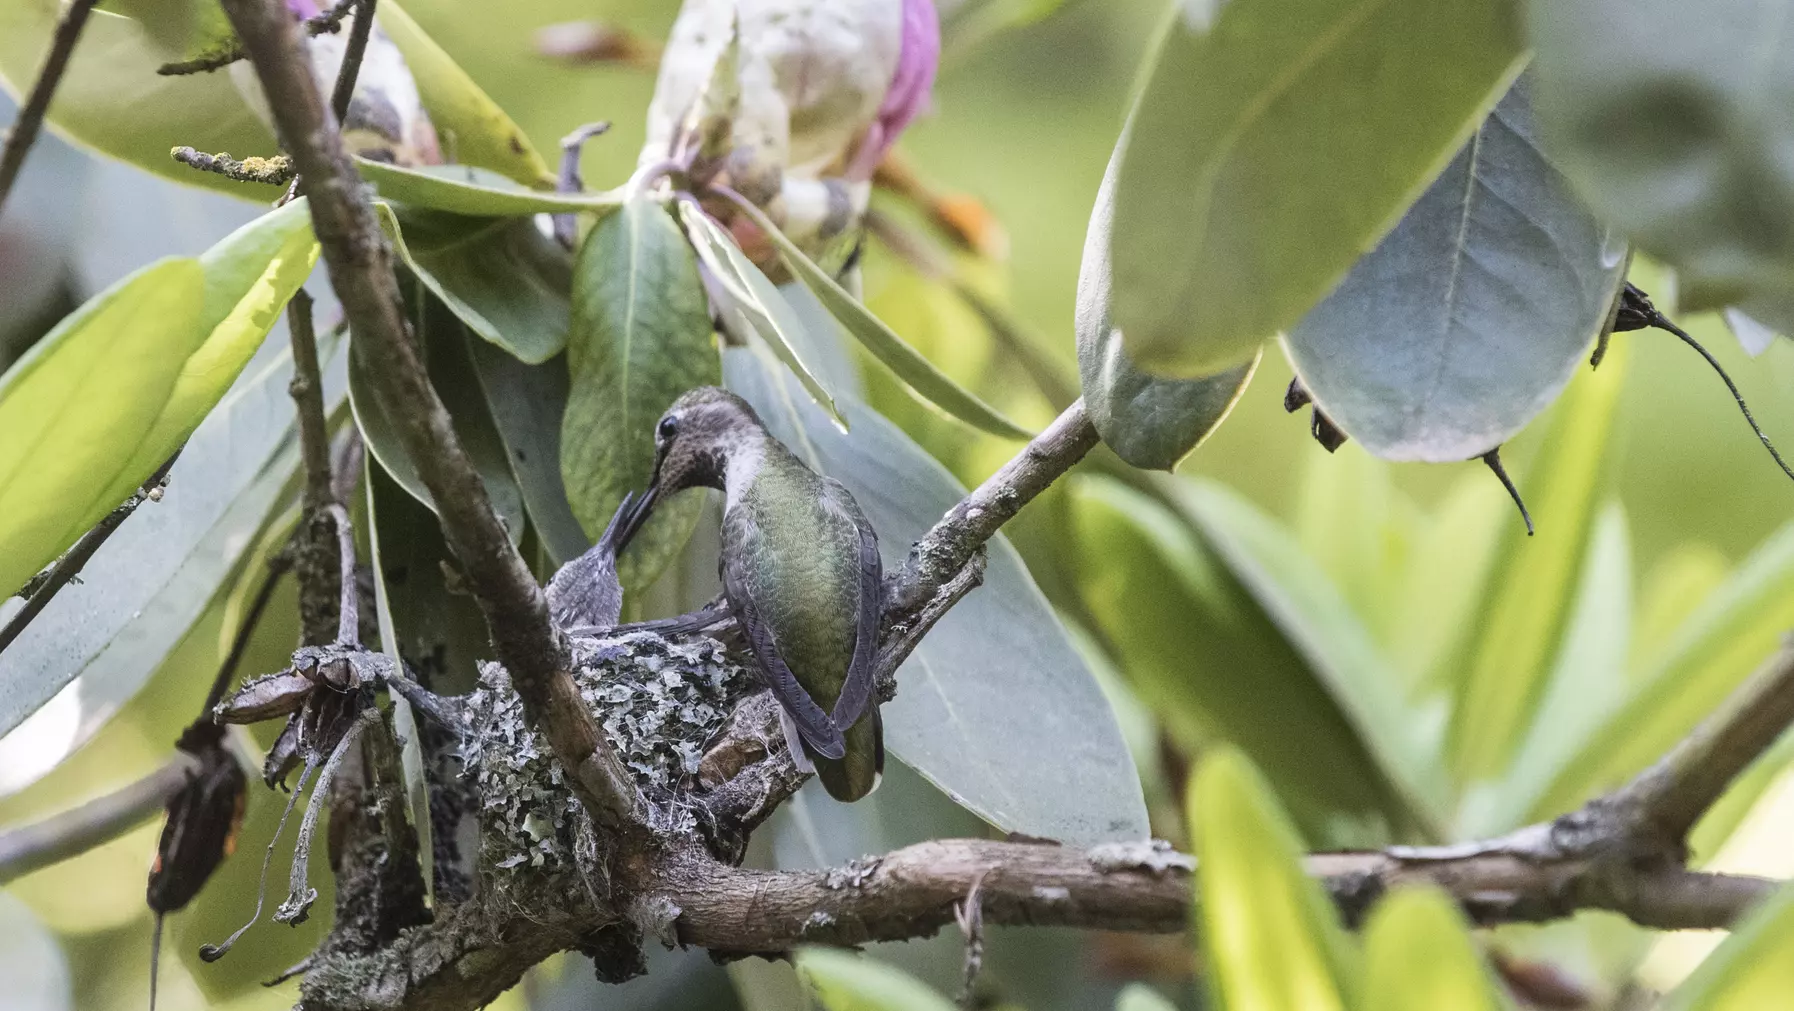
point(1023, 121)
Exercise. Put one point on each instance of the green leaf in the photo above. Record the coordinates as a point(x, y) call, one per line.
point(1271, 938)
point(842, 981)
point(1418, 956)
point(475, 192)
point(472, 129)
point(1424, 351)
point(764, 307)
point(1270, 151)
point(112, 100)
point(1753, 970)
point(1586, 683)
point(1210, 663)
point(1151, 423)
point(506, 280)
point(77, 406)
point(1334, 642)
point(527, 404)
point(1679, 145)
point(640, 337)
point(1140, 997)
point(1449, 558)
point(1522, 618)
point(445, 346)
point(157, 573)
point(905, 362)
point(1358, 529)
point(1064, 772)
point(1705, 660)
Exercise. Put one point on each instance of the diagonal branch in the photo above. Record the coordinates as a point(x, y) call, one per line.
point(31, 114)
point(361, 270)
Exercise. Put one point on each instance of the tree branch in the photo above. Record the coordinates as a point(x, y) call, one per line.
point(73, 832)
point(31, 114)
point(361, 270)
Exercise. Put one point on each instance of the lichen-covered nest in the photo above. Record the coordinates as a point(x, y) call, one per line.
point(659, 701)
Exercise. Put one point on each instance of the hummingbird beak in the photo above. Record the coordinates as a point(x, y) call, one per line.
point(633, 513)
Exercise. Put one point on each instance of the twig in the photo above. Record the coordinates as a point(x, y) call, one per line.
point(46, 586)
point(969, 914)
point(274, 171)
point(946, 548)
point(318, 562)
point(327, 23)
point(75, 831)
point(347, 74)
point(31, 115)
point(535, 653)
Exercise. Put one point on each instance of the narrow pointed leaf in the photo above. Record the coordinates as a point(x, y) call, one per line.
point(77, 406)
point(1708, 656)
point(1150, 422)
point(1270, 150)
point(1334, 642)
point(770, 315)
point(640, 336)
point(1526, 606)
point(112, 101)
point(1470, 317)
point(1212, 665)
point(1064, 772)
point(528, 403)
point(1272, 939)
point(845, 981)
point(445, 347)
point(1418, 956)
point(1753, 969)
point(475, 192)
point(471, 127)
point(1680, 145)
point(506, 280)
point(905, 362)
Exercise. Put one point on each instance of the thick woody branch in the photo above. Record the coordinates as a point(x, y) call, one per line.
point(361, 270)
point(944, 550)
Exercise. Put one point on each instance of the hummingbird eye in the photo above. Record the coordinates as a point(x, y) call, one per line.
point(669, 427)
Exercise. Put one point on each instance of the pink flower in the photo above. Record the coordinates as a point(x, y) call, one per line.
point(910, 89)
point(303, 9)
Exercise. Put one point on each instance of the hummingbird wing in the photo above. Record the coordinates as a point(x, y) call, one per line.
point(813, 725)
point(857, 690)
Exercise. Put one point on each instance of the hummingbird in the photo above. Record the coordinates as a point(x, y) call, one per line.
point(800, 571)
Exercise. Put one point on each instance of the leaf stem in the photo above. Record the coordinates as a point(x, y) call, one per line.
point(350, 71)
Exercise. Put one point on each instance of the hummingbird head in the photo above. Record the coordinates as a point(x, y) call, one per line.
point(693, 443)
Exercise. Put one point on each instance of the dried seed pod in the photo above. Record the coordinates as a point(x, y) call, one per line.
point(265, 698)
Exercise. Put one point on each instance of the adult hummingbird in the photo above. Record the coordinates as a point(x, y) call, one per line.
point(800, 571)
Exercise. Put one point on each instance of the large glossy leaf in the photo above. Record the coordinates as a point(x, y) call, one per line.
point(844, 981)
point(1271, 937)
point(1335, 644)
point(1148, 421)
point(1418, 956)
point(904, 361)
point(1680, 145)
point(762, 304)
point(472, 129)
point(1469, 317)
point(1062, 771)
point(1212, 665)
point(468, 190)
point(112, 100)
point(1523, 613)
point(1270, 150)
point(505, 279)
point(527, 403)
point(76, 407)
point(446, 354)
point(1752, 970)
point(100, 639)
point(1587, 681)
point(1706, 659)
point(640, 337)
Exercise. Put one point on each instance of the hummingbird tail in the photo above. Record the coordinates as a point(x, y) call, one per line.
point(857, 773)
